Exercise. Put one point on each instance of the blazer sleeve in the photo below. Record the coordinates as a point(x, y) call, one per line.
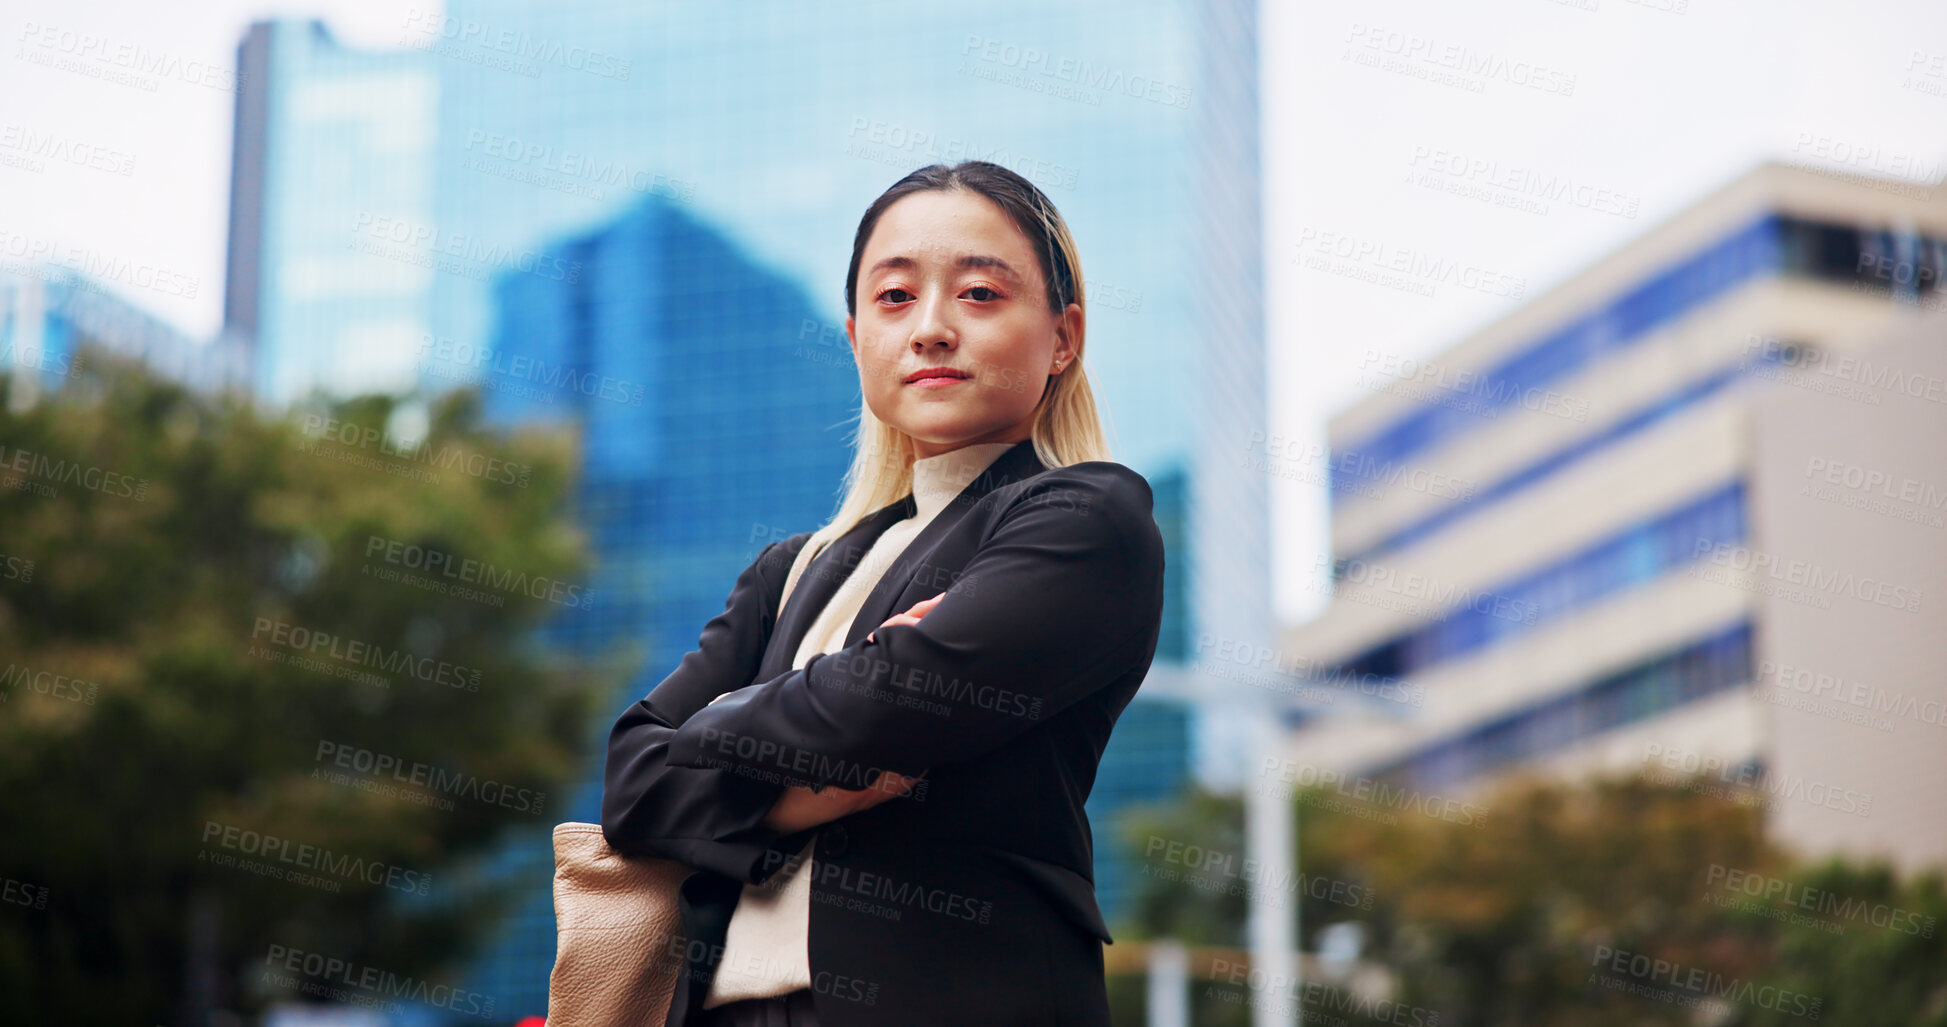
point(1057, 602)
point(708, 818)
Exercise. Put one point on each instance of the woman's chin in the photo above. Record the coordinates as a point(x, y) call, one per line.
point(936, 425)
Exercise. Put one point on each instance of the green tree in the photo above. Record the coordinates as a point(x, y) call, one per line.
point(202, 609)
point(1864, 940)
point(1516, 915)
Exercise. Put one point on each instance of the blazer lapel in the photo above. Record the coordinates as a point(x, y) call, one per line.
point(1011, 466)
point(820, 580)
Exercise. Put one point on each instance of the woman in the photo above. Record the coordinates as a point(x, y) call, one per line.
point(882, 789)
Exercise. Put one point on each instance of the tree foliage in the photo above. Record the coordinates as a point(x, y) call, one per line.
point(1534, 912)
point(202, 609)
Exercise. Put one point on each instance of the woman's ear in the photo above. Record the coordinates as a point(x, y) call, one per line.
point(852, 337)
point(1068, 336)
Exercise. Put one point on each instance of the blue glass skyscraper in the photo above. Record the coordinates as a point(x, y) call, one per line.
point(330, 211)
point(662, 345)
point(765, 130)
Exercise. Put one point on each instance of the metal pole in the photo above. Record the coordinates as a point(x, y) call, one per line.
point(1169, 984)
point(1270, 841)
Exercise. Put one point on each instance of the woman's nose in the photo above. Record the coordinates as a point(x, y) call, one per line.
point(932, 326)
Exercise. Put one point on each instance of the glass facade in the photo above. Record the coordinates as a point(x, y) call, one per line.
point(696, 455)
point(1773, 244)
point(50, 314)
point(554, 117)
point(1571, 349)
point(1171, 512)
point(1636, 423)
point(1669, 680)
point(667, 277)
point(330, 212)
point(1627, 560)
point(1143, 764)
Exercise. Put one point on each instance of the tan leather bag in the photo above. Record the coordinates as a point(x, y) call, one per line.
point(615, 919)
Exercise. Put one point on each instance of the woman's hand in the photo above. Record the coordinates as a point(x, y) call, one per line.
point(911, 616)
point(800, 807)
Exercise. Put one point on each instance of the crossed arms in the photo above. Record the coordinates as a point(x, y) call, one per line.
point(1046, 612)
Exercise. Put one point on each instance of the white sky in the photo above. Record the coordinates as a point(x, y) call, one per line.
point(1665, 105)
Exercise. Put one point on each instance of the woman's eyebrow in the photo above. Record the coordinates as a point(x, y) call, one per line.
point(971, 260)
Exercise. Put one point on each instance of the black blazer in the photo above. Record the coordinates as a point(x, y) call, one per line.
point(970, 900)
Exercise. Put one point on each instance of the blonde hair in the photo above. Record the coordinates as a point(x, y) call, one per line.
point(1066, 429)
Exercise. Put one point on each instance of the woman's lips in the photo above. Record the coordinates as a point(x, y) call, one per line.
point(937, 377)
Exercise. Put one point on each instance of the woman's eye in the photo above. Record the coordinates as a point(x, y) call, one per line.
point(991, 294)
point(888, 293)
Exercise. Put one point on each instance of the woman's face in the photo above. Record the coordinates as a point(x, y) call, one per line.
point(947, 282)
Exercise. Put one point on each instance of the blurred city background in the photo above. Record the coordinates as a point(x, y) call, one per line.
point(1545, 404)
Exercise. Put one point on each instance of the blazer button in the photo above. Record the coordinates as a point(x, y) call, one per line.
point(834, 841)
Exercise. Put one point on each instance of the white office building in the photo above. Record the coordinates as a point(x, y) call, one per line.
point(1681, 515)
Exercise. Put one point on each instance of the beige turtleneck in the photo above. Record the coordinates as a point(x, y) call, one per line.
point(765, 949)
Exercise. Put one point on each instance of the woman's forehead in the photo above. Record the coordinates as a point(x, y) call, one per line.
point(956, 230)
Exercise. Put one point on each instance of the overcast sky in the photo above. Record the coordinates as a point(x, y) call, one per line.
point(1650, 105)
